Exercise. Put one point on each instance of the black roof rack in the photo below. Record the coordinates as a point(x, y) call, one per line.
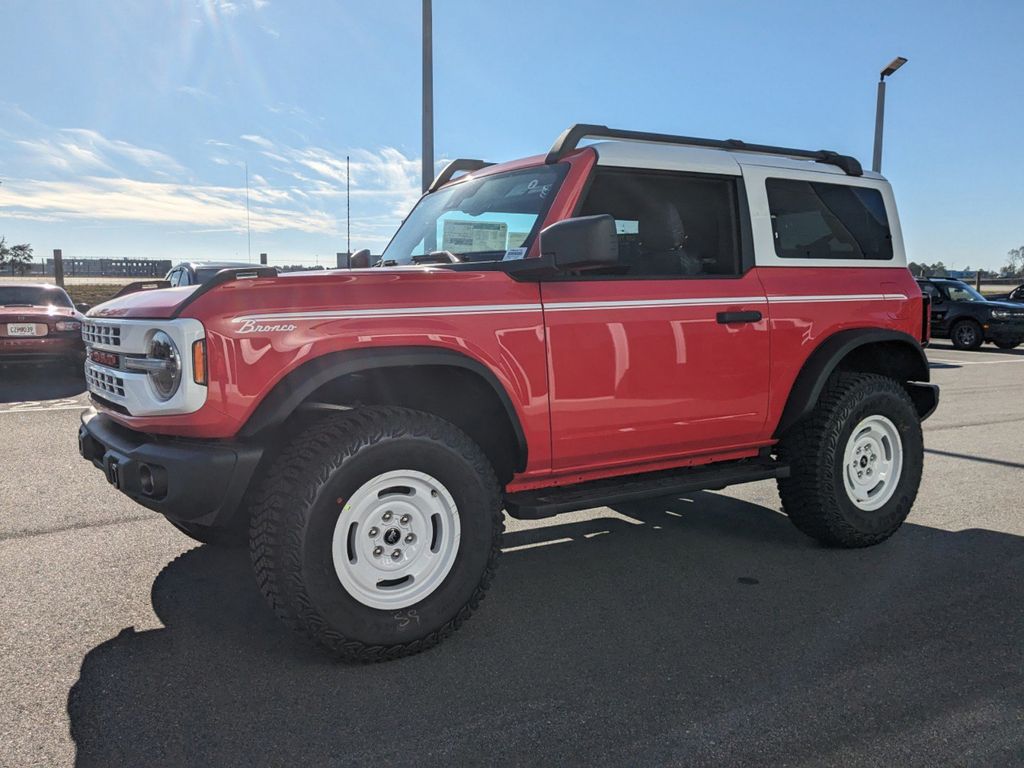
point(572, 136)
point(462, 164)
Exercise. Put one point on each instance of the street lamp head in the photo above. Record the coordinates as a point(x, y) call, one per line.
point(893, 65)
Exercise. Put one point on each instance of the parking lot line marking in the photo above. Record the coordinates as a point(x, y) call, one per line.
point(37, 409)
point(974, 362)
point(536, 544)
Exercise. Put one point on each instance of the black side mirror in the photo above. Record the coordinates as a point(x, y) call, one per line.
point(83, 308)
point(586, 242)
point(360, 259)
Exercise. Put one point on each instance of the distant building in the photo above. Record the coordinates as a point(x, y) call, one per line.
point(112, 267)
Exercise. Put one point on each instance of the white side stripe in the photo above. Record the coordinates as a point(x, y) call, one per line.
point(562, 306)
point(836, 297)
point(478, 309)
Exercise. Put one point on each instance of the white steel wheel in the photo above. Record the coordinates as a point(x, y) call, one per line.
point(872, 463)
point(396, 539)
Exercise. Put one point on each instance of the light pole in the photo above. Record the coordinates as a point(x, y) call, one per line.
point(428, 95)
point(876, 162)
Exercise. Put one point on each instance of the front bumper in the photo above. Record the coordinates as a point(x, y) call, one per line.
point(200, 482)
point(42, 349)
point(996, 330)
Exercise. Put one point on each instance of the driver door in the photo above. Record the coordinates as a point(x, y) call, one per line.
point(666, 356)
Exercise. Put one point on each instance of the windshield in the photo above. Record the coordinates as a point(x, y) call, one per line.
point(33, 296)
point(963, 292)
point(486, 219)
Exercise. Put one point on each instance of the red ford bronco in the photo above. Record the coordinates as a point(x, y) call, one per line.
point(640, 316)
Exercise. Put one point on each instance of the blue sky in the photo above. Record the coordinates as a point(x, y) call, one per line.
point(124, 124)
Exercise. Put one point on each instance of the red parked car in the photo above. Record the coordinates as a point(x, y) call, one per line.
point(39, 324)
point(644, 316)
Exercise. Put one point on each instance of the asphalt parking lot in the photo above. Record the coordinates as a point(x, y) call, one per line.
point(695, 630)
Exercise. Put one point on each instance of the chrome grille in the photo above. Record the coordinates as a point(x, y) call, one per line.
point(101, 381)
point(98, 333)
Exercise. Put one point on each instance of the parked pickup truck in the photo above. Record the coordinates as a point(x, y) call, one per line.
point(640, 316)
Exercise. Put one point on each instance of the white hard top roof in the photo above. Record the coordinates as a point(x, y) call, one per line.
point(672, 157)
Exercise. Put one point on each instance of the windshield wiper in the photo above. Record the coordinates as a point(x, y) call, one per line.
point(436, 257)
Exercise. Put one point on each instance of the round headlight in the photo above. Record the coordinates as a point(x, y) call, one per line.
point(166, 375)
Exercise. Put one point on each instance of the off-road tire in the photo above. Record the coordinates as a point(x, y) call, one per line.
point(298, 505)
point(1007, 344)
point(967, 334)
point(814, 495)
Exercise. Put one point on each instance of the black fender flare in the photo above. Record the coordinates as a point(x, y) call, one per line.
point(824, 360)
point(297, 385)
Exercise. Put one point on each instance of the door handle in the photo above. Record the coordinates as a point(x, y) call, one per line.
point(751, 316)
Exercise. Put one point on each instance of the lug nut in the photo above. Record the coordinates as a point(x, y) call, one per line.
point(396, 555)
point(378, 551)
point(373, 532)
point(410, 538)
point(386, 516)
point(404, 519)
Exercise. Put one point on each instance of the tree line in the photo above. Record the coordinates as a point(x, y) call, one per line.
point(17, 257)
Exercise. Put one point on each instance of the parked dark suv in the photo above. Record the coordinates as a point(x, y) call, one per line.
point(966, 317)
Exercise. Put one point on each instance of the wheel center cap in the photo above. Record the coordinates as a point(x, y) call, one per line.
point(391, 536)
point(863, 463)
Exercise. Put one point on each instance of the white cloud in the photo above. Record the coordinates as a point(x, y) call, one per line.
point(80, 176)
point(79, 150)
point(105, 199)
point(195, 92)
point(259, 141)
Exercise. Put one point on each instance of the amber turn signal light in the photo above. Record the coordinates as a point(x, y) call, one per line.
point(199, 361)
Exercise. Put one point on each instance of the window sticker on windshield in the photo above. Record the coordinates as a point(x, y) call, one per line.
point(515, 253)
point(474, 236)
point(532, 188)
point(515, 239)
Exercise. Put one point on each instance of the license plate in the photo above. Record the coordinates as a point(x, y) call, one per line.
point(21, 329)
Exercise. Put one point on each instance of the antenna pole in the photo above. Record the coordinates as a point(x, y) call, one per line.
point(248, 226)
point(428, 94)
point(348, 206)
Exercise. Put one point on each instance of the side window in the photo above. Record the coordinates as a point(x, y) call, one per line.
point(932, 292)
point(669, 224)
point(174, 278)
point(813, 220)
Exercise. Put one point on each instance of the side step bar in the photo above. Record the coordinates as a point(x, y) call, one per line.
point(546, 502)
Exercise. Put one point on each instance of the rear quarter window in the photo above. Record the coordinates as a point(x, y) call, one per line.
point(815, 220)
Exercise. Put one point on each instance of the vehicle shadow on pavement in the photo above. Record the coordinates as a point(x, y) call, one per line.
point(702, 630)
point(39, 382)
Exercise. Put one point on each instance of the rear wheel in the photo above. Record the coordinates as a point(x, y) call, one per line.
point(377, 532)
point(967, 334)
point(855, 462)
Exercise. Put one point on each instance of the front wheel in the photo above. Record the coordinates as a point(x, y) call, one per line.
point(377, 532)
point(967, 334)
point(855, 462)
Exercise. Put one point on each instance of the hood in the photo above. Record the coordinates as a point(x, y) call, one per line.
point(1012, 305)
point(272, 290)
point(156, 304)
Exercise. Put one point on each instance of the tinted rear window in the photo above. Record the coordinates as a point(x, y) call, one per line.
point(32, 295)
point(812, 220)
